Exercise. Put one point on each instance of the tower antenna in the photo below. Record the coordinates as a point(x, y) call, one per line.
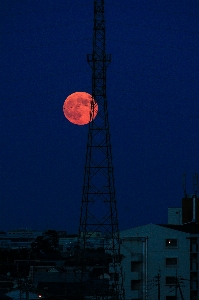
point(98, 218)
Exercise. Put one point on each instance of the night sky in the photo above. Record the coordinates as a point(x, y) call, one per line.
point(153, 104)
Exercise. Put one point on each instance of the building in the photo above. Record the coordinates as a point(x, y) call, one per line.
point(68, 242)
point(154, 257)
point(161, 261)
point(18, 238)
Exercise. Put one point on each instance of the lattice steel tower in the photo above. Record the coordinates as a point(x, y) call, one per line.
point(98, 220)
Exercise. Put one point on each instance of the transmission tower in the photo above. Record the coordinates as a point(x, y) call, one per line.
point(98, 219)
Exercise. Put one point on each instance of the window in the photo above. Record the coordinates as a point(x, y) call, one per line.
point(171, 243)
point(170, 280)
point(170, 297)
point(136, 266)
point(171, 261)
point(135, 284)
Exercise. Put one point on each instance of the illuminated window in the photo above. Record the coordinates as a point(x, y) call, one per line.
point(171, 261)
point(171, 243)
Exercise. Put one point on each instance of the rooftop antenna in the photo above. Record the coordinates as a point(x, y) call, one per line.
point(184, 184)
point(195, 184)
point(195, 190)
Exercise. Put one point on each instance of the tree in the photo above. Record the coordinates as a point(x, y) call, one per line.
point(46, 243)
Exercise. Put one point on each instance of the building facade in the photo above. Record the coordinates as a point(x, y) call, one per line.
point(156, 262)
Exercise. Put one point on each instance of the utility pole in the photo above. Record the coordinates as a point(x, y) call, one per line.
point(181, 294)
point(176, 287)
point(98, 219)
point(158, 284)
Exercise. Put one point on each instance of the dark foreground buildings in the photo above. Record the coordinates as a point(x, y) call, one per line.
point(158, 261)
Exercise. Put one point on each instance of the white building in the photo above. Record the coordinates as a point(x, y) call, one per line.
point(154, 257)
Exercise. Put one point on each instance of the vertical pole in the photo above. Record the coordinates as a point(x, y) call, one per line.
point(176, 286)
point(181, 294)
point(158, 286)
point(158, 283)
point(184, 184)
point(20, 291)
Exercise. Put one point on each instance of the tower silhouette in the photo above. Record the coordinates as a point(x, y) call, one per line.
point(98, 218)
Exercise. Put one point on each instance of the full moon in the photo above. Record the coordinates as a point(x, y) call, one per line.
point(78, 108)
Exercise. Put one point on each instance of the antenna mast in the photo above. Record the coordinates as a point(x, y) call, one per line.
point(195, 184)
point(184, 184)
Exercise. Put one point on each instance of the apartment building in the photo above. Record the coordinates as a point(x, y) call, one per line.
point(161, 261)
point(156, 259)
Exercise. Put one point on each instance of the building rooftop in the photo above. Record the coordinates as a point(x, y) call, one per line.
point(191, 227)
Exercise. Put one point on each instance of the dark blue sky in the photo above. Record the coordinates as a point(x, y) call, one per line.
point(153, 103)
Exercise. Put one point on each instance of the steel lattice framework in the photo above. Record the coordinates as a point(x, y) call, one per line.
point(98, 209)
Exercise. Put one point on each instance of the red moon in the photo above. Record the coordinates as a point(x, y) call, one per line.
point(77, 108)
